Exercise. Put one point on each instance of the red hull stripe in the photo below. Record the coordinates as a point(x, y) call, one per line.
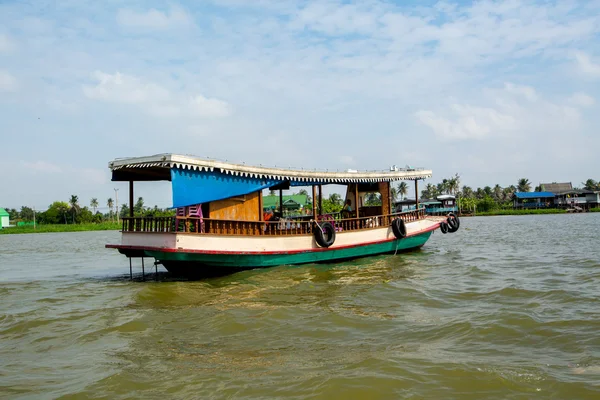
point(171, 250)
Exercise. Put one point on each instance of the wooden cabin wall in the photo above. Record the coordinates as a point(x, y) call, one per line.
point(384, 189)
point(237, 209)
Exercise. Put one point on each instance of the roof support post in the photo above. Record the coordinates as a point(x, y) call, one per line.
point(314, 201)
point(321, 199)
point(130, 199)
point(356, 199)
point(281, 202)
point(417, 194)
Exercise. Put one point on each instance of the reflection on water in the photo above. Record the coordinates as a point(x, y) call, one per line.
point(505, 308)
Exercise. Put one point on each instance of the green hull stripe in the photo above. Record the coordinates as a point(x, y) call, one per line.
point(268, 260)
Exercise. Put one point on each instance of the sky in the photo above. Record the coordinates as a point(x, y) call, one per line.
point(493, 91)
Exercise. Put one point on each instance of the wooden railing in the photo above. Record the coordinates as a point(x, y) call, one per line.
point(283, 227)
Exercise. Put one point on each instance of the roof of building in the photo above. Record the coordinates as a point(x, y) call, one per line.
point(533, 195)
point(557, 188)
point(273, 200)
point(4, 213)
point(158, 167)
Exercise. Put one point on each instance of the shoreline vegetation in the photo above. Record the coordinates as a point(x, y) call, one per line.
point(115, 226)
point(62, 216)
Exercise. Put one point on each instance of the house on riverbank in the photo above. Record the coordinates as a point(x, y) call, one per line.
point(557, 195)
point(4, 218)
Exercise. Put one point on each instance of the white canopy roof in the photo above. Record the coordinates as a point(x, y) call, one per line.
point(155, 163)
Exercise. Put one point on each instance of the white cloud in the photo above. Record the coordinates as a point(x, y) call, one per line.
point(6, 44)
point(582, 99)
point(153, 18)
point(152, 98)
point(467, 122)
point(586, 65)
point(513, 111)
point(41, 166)
point(8, 83)
point(204, 107)
point(120, 88)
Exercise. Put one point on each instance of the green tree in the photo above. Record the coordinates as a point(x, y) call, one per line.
point(57, 213)
point(138, 208)
point(591, 184)
point(94, 204)
point(74, 202)
point(393, 194)
point(523, 185)
point(124, 213)
point(497, 191)
point(372, 199)
point(26, 213)
point(430, 192)
point(335, 199)
point(453, 184)
point(110, 204)
point(402, 190)
point(467, 192)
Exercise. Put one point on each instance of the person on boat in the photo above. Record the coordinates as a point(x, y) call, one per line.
point(347, 209)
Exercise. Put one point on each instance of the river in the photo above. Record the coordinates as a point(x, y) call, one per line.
point(507, 307)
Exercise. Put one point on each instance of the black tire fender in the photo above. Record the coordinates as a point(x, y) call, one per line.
point(324, 234)
point(399, 228)
point(444, 227)
point(453, 222)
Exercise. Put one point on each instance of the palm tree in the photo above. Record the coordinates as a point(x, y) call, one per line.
point(454, 184)
point(138, 208)
point(94, 204)
point(507, 192)
point(74, 202)
point(402, 189)
point(467, 192)
point(523, 185)
point(110, 203)
point(497, 193)
point(591, 184)
point(393, 194)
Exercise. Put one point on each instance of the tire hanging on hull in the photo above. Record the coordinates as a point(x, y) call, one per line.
point(399, 228)
point(324, 233)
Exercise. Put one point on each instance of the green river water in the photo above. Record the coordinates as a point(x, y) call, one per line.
point(506, 308)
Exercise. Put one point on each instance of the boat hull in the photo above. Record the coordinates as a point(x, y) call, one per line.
point(174, 260)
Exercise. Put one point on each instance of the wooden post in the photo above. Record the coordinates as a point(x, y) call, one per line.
point(417, 194)
point(281, 202)
point(356, 199)
point(130, 199)
point(260, 207)
point(321, 199)
point(314, 201)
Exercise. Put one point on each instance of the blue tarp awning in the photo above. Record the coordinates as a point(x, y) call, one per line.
point(534, 195)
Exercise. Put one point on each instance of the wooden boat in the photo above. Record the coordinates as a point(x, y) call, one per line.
point(220, 221)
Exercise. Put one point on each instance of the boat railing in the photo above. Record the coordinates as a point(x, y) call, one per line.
point(282, 227)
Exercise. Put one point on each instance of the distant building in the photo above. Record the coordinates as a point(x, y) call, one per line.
point(533, 200)
point(565, 196)
point(291, 203)
point(441, 205)
point(4, 218)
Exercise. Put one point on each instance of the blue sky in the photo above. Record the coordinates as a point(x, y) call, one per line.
point(494, 91)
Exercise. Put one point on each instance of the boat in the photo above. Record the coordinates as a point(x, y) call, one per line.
point(220, 220)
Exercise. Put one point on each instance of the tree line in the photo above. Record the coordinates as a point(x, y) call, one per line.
point(482, 199)
point(71, 212)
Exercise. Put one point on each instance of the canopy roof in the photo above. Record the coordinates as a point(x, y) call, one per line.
point(158, 167)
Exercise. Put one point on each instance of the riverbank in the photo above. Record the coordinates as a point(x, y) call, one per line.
point(523, 212)
point(103, 226)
